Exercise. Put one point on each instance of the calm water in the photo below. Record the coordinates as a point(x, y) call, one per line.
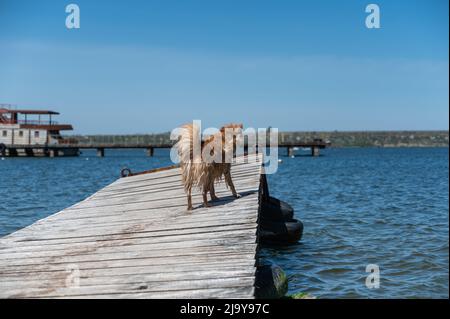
point(359, 206)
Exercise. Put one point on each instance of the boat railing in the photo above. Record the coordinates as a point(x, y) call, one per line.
point(37, 122)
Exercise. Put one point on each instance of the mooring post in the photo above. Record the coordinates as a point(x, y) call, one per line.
point(314, 151)
point(29, 152)
point(100, 152)
point(271, 282)
point(150, 151)
point(290, 151)
point(13, 152)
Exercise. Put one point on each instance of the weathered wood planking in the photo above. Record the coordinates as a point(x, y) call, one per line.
point(135, 239)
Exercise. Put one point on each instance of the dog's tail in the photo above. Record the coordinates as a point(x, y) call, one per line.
point(189, 136)
point(189, 152)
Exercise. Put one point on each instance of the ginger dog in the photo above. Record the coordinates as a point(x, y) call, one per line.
point(202, 168)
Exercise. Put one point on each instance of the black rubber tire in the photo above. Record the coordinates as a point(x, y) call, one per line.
point(282, 232)
point(276, 210)
point(282, 204)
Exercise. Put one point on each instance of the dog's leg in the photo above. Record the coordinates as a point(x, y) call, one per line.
point(229, 181)
point(189, 198)
point(213, 193)
point(205, 199)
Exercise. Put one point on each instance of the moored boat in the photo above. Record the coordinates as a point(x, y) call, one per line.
point(26, 132)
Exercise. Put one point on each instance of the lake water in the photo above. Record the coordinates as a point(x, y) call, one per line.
point(387, 207)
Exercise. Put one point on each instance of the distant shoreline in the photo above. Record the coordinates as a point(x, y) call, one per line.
point(338, 139)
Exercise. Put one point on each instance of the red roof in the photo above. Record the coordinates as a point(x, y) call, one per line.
point(47, 112)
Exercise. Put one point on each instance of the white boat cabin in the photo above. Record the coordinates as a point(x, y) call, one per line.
point(30, 127)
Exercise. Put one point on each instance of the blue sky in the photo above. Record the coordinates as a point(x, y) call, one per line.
point(149, 66)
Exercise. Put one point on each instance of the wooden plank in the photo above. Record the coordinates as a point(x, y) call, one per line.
point(244, 232)
point(70, 231)
point(184, 271)
point(161, 263)
point(111, 253)
point(135, 216)
point(237, 293)
point(143, 287)
point(135, 239)
point(58, 280)
point(130, 234)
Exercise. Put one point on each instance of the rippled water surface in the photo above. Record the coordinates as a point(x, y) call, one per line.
point(387, 207)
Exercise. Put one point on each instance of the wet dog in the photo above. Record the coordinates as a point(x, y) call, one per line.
point(205, 162)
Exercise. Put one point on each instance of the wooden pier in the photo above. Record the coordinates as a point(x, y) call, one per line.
point(73, 149)
point(314, 146)
point(135, 239)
